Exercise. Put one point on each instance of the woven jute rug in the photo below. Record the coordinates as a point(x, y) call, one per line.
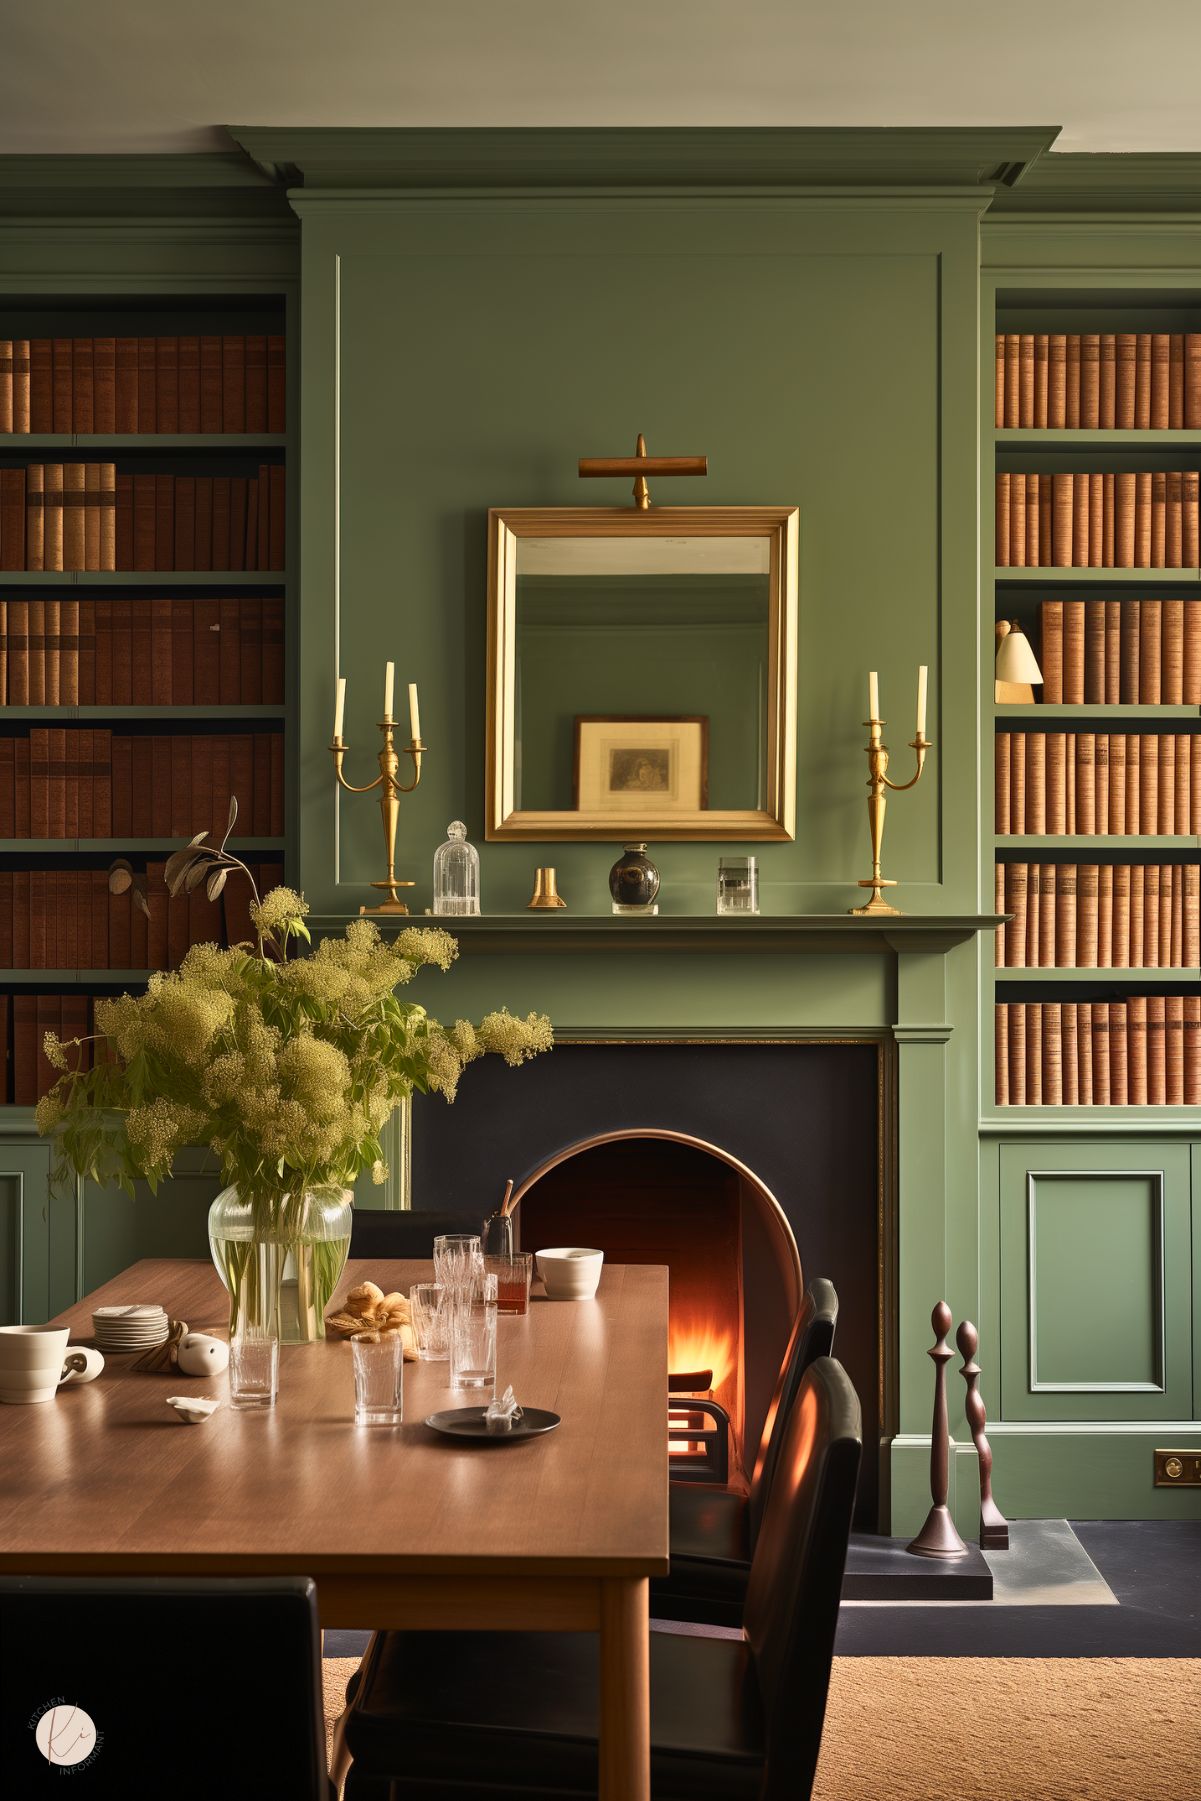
point(996, 1728)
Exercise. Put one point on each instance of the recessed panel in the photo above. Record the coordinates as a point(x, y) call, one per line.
point(1096, 1246)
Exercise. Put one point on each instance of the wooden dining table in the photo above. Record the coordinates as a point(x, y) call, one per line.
point(399, 1527)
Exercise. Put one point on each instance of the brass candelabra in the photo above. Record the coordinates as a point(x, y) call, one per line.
point(878, 785)
point(391, 790)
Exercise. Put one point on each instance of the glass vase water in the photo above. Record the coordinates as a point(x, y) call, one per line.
point(280, 1259)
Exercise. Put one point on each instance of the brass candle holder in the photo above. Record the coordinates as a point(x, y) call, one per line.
point(878, 785)
point(389, 801)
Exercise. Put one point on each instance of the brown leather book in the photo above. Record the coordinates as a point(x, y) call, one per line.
point(1109, 516)
point(237, 522)
point(1142, 519)
point(22, 754)
point(147, 385)
point(273, 658)
point(1136, 1050)
point(1050, 615)
point(1194, 765)
point(203, 536)
point(20, 385)
point(241, 765)
point(1157, 1074)
point(1190, 671)
point(16, 630)
point(1096, 521)
point(1062, 528)
point(82, 385)
point(1192, 1050)
point(1052, 1085)
point(1099, 1032)
point(1104, 946)
point(1182, 819)
point(260, 814)
point(1047, 904)
point(1177, 933)
point(1066, 923)
point(166, 380)
point(202, 780)
point(1033, 510)
point(1113, 652)
point(1073, 652)
point(998, 899)
point(222, 788)
point(13, 508)
point(189, 384)
point(1190, 519)
point(1056, 783)
point(1041, 371)
point(1072, 396)
point(142, 638)
point(57, 737)
point(41, 385)
point(206, 628)
point(1129, 653)
point(1003, 486)
point(1125, 485)
point(1057, 380)
point(1086, 782)
point(276, 384)
point(264, 516)
point(1150, 915)
point(1117, 783)
point(143, 522)
point(104, 489)
point(52, 650)
point(1025, 416)
point(1001, 801)
point(1069, 1054)
point(125, 398)
point(164, 522)
point(39, 950)
point(1087, 911)
point(1081, 488)
point(1034, 1055)
point(160, 653)
point(1192, 379)
point(1017, 1054)
point(181, 787)
point(96, 905)
point(1001, 1055)
point(252, 524)
point(1094, 651)
point(139, 937)
point(1165, 915)
point(221, 522)
point(160, 764)
point(250, 640)
point(1016, 558)
point(1009, 380)
point(1138, 906)
point(233, 382)
point(1118, 1055)
point(185, 522)
point(1142, 381)
point(63, 411)
point(1148, 782)
point(1159, 518)
point(230, 653)
point(83, 783)
point(124, 522)
point(122, 794)
point(102, 782)
point(1107, 387)
point(74, 529)
point(1176, 381)
point(1173, 518)
point(1150, 654)
point(92, 501)
point(8, 811)
point(1015, 877)
point(1030, 953)
point(1036, 781)
point(182, 661)
point(122, 640)
point(1090, 380)
point(210, 384)
point(36, 640)
point(256, 383)
point(1172, 653)
point(1160, 380)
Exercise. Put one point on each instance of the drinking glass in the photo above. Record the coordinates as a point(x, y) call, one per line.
point(513, 1273)
point(429, 1311)
point(473, 1336)
point(457, 1258)
point(378, 1378)
point(253, 1370)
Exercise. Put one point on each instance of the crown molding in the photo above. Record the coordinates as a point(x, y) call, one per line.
point(1072, 184)
point(224, 185)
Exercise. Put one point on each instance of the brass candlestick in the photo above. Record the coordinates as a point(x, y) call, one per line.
point(389, 802)
point(877, 800)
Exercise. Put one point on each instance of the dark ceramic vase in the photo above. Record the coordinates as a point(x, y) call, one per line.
point(633, 879)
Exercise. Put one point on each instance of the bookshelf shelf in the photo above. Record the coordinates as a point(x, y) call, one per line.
point(142, 578)
point(15, 442)
point(1079, 713)
point(1112, 841)
point(1094, 439)
point(33, 715)
point(1011, 576)
point(116, 847)
point(1071, 975)
point(61, 978)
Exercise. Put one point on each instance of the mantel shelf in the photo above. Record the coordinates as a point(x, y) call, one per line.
point(810, 933)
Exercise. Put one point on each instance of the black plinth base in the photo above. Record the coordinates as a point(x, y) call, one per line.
point(881, 1569)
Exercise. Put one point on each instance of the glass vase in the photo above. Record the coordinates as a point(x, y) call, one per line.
point(280, 1259)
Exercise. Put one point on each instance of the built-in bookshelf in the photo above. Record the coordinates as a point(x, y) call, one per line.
point(1094, 802)
point(144, 638)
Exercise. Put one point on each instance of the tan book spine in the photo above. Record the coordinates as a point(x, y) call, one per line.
point(1172, 653)
point(1100, 1037)
point(1025, 380)
point(1118, 1072)
point(1090, 380)
point(1033, 915)
point(1194, 780)
point(1109, 517)
point(1176, 382)
point(1150, 915)
point(1042, 351)
point(1087, 885)
point(1174, 519)
point(52, 651)
point(1165, 751)
point(1046, 521)
point(1061, 521)
point(1120, 935)
point(1012, 381)
point(1065, 916)
point(1136, 1050)
point(999, 403)
point(1125, 380)
point(1047, 894)
point(1150, 655)
point(1002, 529)
point(1108, 391)
point(1016, 558)
point(73, 517)
point(1117, 783)
point(1080, 520)
point(1159, 519)
point(1036, 781)
point(53, 498)
point(1125, 487)
point(1072, 381)
point(1142, 381)
point(999, 907)
point(91, 517)
point(1001, 755)
point(1113, 652)
point(1052, 1055)
point(1165, 915)
point(1057, 770)
point(1192, 379)
point(1084, 1051)
point(1157, 1074)
point(1190, 519)
point(1174, 1050)
point(1015, 903)
point(1178, 957)
point(1050, 615)
point(1017, 782)
point(1182, 818)
point(1134, 783)
point(1001, 1055)
point(1069, 1053)
point(1138, 875)
point(1096, 521)
point(108, 515)
point(1070, 826)
point(1101, 782)
point(1017, 1054)
point(1104, 948)
point(1034, 1055)
point(1192, 1050)
point(1129, 681)
point(1086, 789)
point(35, 516)
point(1161, 351)
point(1142, 519)
point(1094, 651)
point(1057, 382)
point(1073, 652)
point(1033, 504)
point(1190, 672)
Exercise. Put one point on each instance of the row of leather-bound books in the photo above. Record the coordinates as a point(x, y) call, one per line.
point(136, 652)
point(68, 919)
point(89, 517)
point(1143, 1050)
point(232, 382)
point(1120, 783)
point(82, 782)
point(1109, 651)
point(1091, 380)
point(1099, 915)
point(1131, 519)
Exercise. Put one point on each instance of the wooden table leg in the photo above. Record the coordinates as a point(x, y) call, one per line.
point(625, 1697)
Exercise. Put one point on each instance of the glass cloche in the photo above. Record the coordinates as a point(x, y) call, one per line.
point(456, 873)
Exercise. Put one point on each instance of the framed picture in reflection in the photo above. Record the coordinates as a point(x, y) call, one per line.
point(630, 765)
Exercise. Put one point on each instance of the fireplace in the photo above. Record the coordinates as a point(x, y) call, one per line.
point(746, 1167)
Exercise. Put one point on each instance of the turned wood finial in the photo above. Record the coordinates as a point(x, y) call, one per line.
point(938, 1537)
point(994, 1528)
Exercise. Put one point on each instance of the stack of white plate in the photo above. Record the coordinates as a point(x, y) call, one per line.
point(132, 1328)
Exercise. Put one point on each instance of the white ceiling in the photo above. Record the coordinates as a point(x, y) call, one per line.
point(164, 75)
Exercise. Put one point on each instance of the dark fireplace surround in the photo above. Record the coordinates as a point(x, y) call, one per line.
point(746, 1167)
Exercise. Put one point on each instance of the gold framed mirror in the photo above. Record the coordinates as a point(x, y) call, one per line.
point(642, 673)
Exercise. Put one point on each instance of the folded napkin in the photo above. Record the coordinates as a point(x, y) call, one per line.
point(502, 1415)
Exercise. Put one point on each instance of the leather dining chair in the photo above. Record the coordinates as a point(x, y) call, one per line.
point(193, 1687)
point(713, 1530)
point(388, 1232)
point(492, 1714)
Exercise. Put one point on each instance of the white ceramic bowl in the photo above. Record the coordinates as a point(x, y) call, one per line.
point(569, 1273)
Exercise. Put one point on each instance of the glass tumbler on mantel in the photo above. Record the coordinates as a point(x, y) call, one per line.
point(280, 1260)
point(456, 873)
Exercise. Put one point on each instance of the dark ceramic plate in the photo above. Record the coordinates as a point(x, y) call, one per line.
point(468, 1423)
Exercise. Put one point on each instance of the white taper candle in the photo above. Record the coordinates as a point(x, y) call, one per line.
point(873, 695)
point(921, 701)
point(389, 684)
point(414, 714)
point(340, 706)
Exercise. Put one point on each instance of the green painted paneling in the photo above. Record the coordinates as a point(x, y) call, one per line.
point(172, 1223)
point(24, 1233)
point(1095, 1282)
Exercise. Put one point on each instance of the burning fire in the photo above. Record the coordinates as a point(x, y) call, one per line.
point(701, 1344)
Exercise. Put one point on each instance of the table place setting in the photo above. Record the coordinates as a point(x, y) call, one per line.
point(138, 1327)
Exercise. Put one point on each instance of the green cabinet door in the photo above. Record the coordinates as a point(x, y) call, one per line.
point(1096, 1281)
point(117, 1231)
point(24, 1233)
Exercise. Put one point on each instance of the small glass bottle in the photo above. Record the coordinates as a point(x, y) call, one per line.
point(456, 873)
point(737, 885)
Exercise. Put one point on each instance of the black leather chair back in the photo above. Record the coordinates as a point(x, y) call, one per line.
point(812, 1337)
point(387, 1232)
point(796, 1573)
point(195, 1688)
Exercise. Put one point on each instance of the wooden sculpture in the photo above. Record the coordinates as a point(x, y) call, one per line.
point(938, 1537)
point(994, 1528)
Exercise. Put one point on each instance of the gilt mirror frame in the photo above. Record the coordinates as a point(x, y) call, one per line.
point(507, 526)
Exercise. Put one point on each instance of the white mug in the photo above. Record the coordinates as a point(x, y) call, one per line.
point(35, 1362)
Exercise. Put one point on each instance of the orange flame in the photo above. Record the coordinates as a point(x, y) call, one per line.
point(701, 1344)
